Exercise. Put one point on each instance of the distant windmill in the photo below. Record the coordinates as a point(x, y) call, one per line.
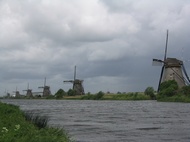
point(28, 92)
point(17, 93)
point(172, 69)
point(46, 89)
point(77, 84)
point(7, 94)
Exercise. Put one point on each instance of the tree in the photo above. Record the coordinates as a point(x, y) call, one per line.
point(149, 91)
point(99, 95)
point(59, 94)
point(71, 92)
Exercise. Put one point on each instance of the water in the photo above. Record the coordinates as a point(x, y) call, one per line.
point(115, 121)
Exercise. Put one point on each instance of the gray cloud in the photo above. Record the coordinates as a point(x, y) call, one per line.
point(111, 42)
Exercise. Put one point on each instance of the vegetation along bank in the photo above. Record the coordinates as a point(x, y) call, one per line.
point(168, 92)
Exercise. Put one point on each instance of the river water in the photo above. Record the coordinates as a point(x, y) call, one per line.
point(115, 121)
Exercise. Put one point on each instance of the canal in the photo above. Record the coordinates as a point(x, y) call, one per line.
point(111, 121)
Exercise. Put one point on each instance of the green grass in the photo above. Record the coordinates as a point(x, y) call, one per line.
point(130, 96)
point(175, 98)
point(15, 127)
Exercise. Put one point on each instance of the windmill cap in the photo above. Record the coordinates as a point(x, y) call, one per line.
point(173, 62)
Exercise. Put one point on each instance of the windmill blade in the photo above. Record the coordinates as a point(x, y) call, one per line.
point(161, 74)
point(157, 62)
point(68, 81)
point(45, 81)
point(75, 72)
point(166, 48)
point(184, 70)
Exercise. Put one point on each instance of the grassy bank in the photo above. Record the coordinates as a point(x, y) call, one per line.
point(103, 96)
point(15, 127)
point(129, 96)
point(175, 98)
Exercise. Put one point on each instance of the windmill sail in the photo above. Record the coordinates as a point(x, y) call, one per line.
point(185, 72)
point(163, 67)
point(166, 48)
point(160, 80)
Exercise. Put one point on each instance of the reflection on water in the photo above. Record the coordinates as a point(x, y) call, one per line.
point(111, 121)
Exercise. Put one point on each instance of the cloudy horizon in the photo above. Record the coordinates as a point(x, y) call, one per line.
point(111, 42)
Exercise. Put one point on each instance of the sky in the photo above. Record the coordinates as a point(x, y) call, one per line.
point(112, 43)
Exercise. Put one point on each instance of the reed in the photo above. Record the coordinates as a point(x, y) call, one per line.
point(36, 119)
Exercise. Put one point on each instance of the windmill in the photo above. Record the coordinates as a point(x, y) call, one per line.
point(7, 94)
point(46, 89)
point(28, 92)
point(77, 84)
point(172, 69)
point(17, 93)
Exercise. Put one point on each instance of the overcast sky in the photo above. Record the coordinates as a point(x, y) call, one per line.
point(112, 42)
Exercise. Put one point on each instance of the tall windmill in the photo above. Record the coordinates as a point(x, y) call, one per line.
point(77, 84)
point(172, 69)
point(28, 92)
point(46, 89)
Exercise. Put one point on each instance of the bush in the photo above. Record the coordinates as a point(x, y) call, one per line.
point(50, 97)
point(168, 88)
point(185, 90)
point(98, 96)
point(149, 91)
point(71, 92)
point(131, 96)
point(60, 93)
point(167, 84)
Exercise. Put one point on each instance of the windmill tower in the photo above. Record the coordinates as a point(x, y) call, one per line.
point(46, 89)
point(172, 69)
point(28, 92)
point(77, 84)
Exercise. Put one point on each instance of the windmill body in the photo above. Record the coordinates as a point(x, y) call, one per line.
point(173, 71)
point(17, 93)
point(28, 92)
point(46, 89)
point(78, 87)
